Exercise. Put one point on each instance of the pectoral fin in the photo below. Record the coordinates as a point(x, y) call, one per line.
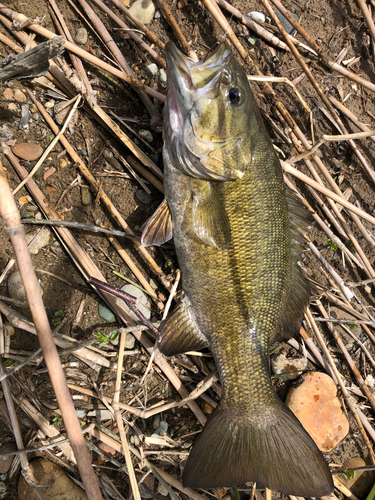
point(210, 221)
point(179, 333)
point(158, 228)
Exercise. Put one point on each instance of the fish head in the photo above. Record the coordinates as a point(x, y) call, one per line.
point(209, 115)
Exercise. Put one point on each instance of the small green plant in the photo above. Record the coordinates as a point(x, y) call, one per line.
point(348, 474)
point(349, 244)
point(8, 362)
point(57, 317)
point(352, 326)
point(56, 421)
point(104, 339)
point(331, 244)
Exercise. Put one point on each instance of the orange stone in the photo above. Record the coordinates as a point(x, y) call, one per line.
point(27, 151)
point(318, 409)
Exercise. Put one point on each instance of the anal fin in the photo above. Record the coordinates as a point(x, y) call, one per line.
point(158, 228)
point(179, 333)
point(210, 221)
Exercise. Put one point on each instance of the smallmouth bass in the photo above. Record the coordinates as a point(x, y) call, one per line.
point(238, 234)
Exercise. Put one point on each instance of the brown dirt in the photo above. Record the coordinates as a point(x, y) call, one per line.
point(334, 25)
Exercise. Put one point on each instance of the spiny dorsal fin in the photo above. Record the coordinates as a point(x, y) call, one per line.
point(158, 228)
point(179, 333)
point(210, 221)
point(299, 291)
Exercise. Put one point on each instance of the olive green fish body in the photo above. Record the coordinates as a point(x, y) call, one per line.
point(237, 244)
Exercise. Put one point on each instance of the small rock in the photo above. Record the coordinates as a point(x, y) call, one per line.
point(152, 70)
point(40, 241)
point(59, 484)
point(337, 313)
point(362, 482)
point(105, 313)
point(146, 135)
point(83, 152)
point(288, 368)
point(143, 197)
point(129, 341)
point(149, 482)
point(81, 413)
point(81, 36)
point(162, 490)
point(285, 23)
point(6, 462)
point(156, 422)
point(141, 304)
point(163, 75)
point(8, 94)
point(35, 116)
point(187, 444)
point(16, 289)
point(27, 151)
point(49, 172)
point(206, 408)
point(257, 16)
point(3, 487)
point(19, 95)
point(144, 10)
point(86, 196)
point(64, 163)
point(163, 428)
point(157, 14)
point(315, 404)
point(61, 111)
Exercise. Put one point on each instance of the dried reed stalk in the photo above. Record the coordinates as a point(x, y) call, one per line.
point(10, 214)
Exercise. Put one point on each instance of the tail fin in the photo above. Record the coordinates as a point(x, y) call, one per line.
point(272, 449)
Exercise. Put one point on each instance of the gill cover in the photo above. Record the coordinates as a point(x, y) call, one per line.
point(209, 115)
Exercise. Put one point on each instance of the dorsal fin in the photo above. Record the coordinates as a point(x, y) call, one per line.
point(179, 332)
point(158, 228)
point(299, 291)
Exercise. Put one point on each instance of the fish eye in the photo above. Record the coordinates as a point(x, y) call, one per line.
point(235, 96)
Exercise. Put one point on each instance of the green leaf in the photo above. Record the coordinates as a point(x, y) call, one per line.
point(348, 474)
point(331, 244)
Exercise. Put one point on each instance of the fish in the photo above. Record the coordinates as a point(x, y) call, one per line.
point(238, 233)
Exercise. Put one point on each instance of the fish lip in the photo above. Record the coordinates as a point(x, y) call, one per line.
point(181, 69)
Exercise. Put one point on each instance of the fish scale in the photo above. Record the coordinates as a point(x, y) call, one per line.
point(237, 234)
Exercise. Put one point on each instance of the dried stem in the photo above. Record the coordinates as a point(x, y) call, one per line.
point(138, 23)
point(84, 54)
point(299, 175)
point(367, 15)
point(94, 184)
point(11, 218)
point(177, 30)
point(77, 63)
point(112, 46)
point(216, 13)
point(324, 58)
point(120, 425)
point(256, 28)
point(139, 41)
point(363, 386)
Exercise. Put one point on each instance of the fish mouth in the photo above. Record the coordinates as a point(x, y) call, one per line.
point(187, 78)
